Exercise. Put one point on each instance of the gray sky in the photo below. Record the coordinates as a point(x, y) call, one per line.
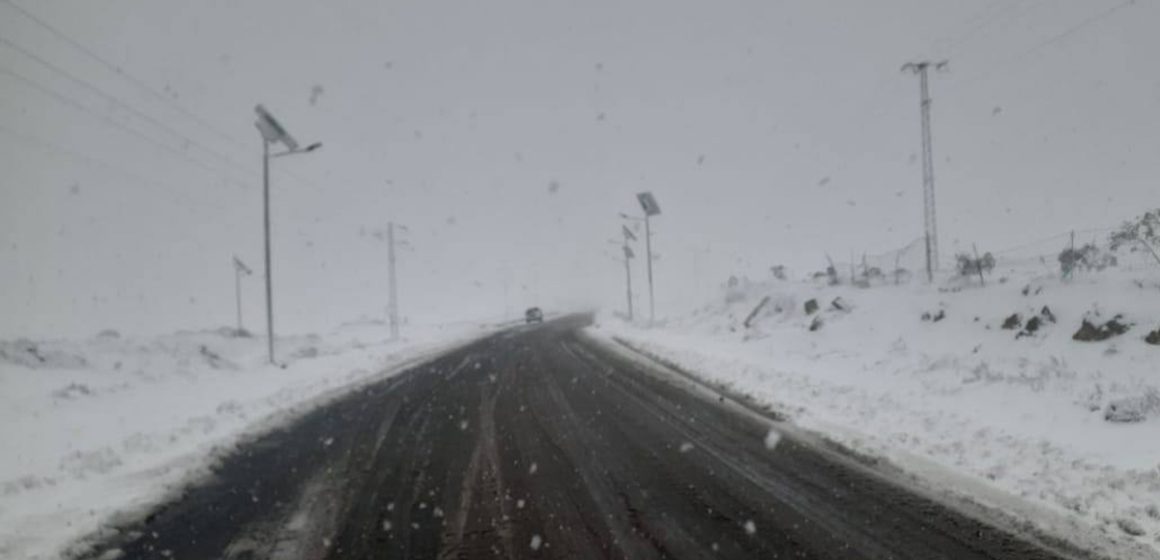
point(508, 134)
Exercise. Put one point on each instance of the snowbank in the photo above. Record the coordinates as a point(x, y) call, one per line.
point(917, 373)
point(94, 427)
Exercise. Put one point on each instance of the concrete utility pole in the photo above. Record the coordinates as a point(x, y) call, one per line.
point(240, 268)
point(929, 223)
point(266, 237)
point(628, 255)
point(393, 302)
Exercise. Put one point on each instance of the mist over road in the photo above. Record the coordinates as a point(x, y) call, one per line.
point(540, 442)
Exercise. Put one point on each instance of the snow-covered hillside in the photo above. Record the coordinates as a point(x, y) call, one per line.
point(93, 427)
point(986, 381)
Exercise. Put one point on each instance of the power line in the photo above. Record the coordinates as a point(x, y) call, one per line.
point(113, 99)
point(116, 69)
point(121, 72)
point(953, 48)
point(108, 121)
point(49, 148)
point(1013, 61)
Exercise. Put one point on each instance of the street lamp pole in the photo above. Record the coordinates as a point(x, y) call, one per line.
point(240, 268)
point(648, 203)
point(272, 133)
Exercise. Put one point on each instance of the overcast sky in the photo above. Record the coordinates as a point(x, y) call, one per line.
point(508, 134)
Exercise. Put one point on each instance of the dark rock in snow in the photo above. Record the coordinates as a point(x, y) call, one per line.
point(1030, 328)
point(811, 307)
point(1153, 337)
point(1089, 332)
point(1012, 322)
point(839, 304)
point(816, 323)
point(1046, 314)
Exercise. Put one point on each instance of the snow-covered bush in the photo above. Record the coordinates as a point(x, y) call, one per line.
point(968, 266)
point(1086, 258)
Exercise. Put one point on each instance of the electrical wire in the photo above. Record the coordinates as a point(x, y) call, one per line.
point(117, 101)
point(121, 72)
point(104, 119)
point(51, 149)
point(1011, 62)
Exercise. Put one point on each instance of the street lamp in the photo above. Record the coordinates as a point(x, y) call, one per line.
point(648, 203)
point(240, 268)
point(273, 133)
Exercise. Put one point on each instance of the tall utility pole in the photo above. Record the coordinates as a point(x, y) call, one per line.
point(266, 229)
point(240, 268)
point(628, 266)
point(393, 302)
point(929, 223)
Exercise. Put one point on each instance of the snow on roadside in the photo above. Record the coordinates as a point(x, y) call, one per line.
point(94, 427)
point(915, 371)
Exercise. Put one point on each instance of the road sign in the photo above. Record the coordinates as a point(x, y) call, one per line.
point(648, 203)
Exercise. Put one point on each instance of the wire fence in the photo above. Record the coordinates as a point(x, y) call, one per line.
point(908, 262)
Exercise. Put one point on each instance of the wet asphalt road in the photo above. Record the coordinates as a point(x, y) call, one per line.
point(540, 443)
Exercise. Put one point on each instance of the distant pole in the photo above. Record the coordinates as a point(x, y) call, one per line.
point(240, 269)
point(393, 305)
point(628, 282)
point(627, 269)
point(929, 223)
point(649, 258)
point(238, 296)
point(269, 270)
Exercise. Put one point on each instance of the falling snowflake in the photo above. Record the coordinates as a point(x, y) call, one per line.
point(533, 468)
point(686, 447)
point(536, 542)
point(772, 439)
point(750, 528)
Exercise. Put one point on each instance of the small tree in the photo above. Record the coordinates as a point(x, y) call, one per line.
point(1143, 230)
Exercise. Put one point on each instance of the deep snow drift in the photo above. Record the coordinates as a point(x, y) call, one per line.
point(985, 382)
point(90, 428)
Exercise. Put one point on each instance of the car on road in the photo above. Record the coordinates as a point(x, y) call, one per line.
point(534, 315)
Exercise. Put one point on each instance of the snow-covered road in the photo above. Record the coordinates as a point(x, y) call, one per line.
point(94, 428)
point(931, 380)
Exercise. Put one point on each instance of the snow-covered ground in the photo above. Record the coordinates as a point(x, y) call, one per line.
point(920, 374)
point(90, 428)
